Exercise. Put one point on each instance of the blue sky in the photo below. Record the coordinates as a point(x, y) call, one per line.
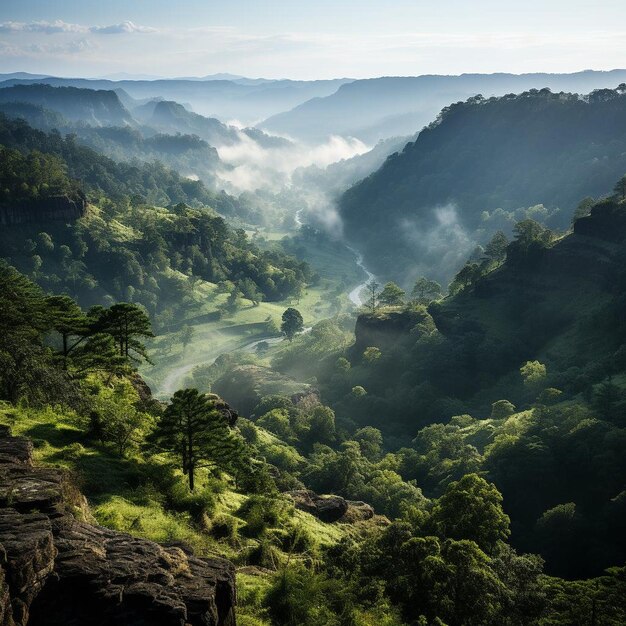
point(305, 40)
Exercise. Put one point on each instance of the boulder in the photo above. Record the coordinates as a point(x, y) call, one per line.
point(58, 570)
point(325, 508)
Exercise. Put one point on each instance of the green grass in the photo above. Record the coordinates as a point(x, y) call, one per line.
point(122, 498)
point(338, 272)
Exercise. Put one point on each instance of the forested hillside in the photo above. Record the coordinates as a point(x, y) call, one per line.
point(95, 107)
point(481, 166)
point(125, 244)
point(440, 456)
point(519, 376)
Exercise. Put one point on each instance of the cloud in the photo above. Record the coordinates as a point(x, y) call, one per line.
point(78, 46)
point(59, 26)
point(49, 28)
point(253, 166)
point(123, 27)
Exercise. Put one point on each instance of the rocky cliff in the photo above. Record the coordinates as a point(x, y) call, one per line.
point(54, 208)
point(383, 330)
point(59, 569)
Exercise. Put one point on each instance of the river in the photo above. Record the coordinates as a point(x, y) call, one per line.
point(176, 376)
point(356, 295)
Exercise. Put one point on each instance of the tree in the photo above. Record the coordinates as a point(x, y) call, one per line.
point(126, 323)
point(529, 236)
point(372, 354)
point(496, 248)
point(392, 295)
point(425, 291)
point(501, 409)
point(372, 299)
point(322, 425)
point(197, 432)
point(292, 323)
point(370, 440)
point(120, 421)
point(70, 322)
point(471, 508)
point(465, 277)
point(533, 373)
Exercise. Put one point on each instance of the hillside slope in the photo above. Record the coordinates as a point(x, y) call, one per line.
point(468, 174)
point(97, 108)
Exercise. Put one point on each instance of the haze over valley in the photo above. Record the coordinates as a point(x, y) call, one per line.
point(312, 316)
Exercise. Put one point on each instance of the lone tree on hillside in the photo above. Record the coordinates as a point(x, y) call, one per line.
point(374, 293)
point(126, 323)
point(292, 323)
point(198, 433)
point(425, 290)
point(392, 295)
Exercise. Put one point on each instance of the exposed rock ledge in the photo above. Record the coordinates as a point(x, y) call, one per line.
point(54, 208)
point(330, 508)
point(57, 569)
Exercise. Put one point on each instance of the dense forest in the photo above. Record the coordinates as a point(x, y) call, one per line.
point(124, 247)
point(444, 456)
point(480, 167)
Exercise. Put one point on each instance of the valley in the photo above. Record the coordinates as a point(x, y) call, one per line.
point(316, 362)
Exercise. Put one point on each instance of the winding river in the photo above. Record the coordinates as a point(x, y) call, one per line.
point(176, 376)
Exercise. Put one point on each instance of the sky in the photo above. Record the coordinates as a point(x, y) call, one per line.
point(306, 40)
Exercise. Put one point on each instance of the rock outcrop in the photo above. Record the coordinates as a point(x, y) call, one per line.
point(382, 330)
point(330, 508)
point(58, 569)
point(52, 209)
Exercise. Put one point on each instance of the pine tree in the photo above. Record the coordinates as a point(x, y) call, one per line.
point(198, 433)
point(125, 322)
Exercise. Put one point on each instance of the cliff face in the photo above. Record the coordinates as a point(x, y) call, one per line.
point(383, 330)
point(58, 569)
point(55, 208)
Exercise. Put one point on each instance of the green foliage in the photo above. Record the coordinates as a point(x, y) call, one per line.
point(492, 156)
point(292, 323)
point(195, 431)
point(425, 291)
point(391, 295)
point(533, 373)
point(371, 354)
point(27, 179)
point(471, 509)
point(501, 409)
point(126, 323)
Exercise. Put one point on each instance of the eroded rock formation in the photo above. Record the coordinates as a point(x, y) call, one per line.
point(330, 508)
point(59, 569)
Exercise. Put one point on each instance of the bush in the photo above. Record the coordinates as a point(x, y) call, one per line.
point(260, 513)
point(225, 527)
point(265, 554)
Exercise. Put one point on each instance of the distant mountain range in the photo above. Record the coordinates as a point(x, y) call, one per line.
point(246, 100)
point(379, 108)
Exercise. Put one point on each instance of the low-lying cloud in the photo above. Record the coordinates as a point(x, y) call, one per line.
point(442, 245)
point(253, 166)
point(59, 26)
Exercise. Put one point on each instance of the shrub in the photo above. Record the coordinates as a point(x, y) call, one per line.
point(225, 527)
point(260, 513)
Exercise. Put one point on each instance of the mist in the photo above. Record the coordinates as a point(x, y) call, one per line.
point(442, 247)
point(252, 166)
